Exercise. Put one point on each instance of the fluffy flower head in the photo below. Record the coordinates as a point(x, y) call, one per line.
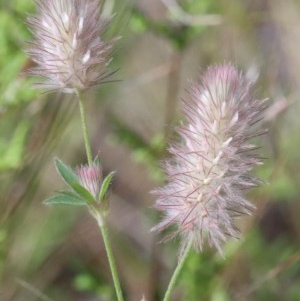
point(209, 168)
point(68, 48)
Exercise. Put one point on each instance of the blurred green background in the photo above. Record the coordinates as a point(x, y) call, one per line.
point(56, 253)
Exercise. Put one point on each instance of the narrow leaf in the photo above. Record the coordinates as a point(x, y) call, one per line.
point(72, 194)
point(64, 198)
point(66, 173)
point(97, 161)
point(105, 186)
point(83, 192)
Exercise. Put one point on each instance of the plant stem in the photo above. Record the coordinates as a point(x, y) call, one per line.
point(172, 92)
point(84, 128)
point(110, 256)
point(176, 273)
point(95, 212)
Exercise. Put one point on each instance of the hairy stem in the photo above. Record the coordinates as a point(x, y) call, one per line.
point(84, 128)
point(176, 273)
point(110, 256)
point(95, 212)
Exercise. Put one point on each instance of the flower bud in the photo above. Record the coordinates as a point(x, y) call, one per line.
point(90, 178)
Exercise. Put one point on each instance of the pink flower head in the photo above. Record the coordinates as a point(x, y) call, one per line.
point(68, 47)
point(90, 178)
point(209, 168)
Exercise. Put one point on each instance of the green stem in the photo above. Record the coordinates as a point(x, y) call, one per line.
point(110, 256)
point(176, 273)
point(94, 212)
point(84, 128)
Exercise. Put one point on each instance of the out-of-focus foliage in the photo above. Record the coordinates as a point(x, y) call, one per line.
point(15, 89)
point(11, 147)
point(14, 86)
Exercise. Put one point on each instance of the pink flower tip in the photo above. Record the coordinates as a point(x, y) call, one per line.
point(90, 178)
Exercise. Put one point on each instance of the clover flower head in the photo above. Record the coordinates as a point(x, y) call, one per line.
point(90, 177)
point(68, 46)
point(210, 167)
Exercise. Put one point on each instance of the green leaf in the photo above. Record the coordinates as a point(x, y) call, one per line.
point(71, 193)
point(72, 180)
point(96, 161)
point(65, 198)
point(66, 173)
point(105, 186)
point(83, 192)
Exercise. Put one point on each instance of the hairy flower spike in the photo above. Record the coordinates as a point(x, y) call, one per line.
point(209, 169)
point(90, 178)
point(68, 47)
